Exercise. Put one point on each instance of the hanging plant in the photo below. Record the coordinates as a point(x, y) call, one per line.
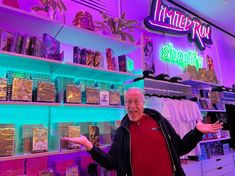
point(117, 26)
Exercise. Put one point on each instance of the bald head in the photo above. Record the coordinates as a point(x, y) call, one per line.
point(134, 99)
point(137, 90)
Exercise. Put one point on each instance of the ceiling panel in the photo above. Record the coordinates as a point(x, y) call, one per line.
point(219, 12)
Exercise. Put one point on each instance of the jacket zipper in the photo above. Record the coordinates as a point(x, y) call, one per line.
point(130, 150)
point(173, 165)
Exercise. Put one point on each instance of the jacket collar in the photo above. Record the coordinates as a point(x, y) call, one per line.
point(152, 113)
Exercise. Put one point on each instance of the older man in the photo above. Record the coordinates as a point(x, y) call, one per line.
point(146, 143)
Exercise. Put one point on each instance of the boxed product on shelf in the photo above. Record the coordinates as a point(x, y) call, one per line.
point(114, 125)
point(61, 86)
point(22, 89)
point(73, 131)
point(46, 92)
point(104, 93)
point(90, 58)
point(27, 137)
point(122, 63)
point(92, 95)
point(226, 148)
point(26, 45)
point(212, 77)
point(105, 132)
point(192, 73)
point(98, 60)
point(87, 57)
point(104, 97)
point(84, 127)
point(17, 43)
point(214, 97)
point(204, 154)
point(40, 140)
point(211, 149)
point(6, 39)
point(94, 135)
point(111, 60)
point(62, 128)
point(204, 93)
point(83, 56)
point(50, 47)
point(77, 55)
point(7, 139)
point(114, 97)
point(3, 89)
point(35, 46)
point(202, 74)
point(216, 148)
point(73, 94)
point(63, 131)
point(120, 88)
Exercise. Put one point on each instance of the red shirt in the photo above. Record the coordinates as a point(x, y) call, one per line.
point(149, 151)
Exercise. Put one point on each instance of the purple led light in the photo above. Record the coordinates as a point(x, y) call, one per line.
point(172, 20)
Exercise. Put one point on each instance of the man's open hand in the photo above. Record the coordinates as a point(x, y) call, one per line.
point(209, 128)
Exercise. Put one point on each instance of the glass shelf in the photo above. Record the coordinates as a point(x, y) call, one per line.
point(153, 86)
point(214, 140)
point(212, 110)
point(42, 65)
point(59, 104)
point(35, 155)
point(199, 84)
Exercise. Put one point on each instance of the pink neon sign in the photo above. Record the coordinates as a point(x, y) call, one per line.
point(173, 20)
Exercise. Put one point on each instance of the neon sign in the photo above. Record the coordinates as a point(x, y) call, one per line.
point(172, 20)
point(181, 58)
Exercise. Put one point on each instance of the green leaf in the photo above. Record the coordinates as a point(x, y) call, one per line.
point(129, 36)
point(63, 5)
point(38, 8)
point(111, 25)
point(130, 22)
point(103, 26)
point(44, 2)
point(123, 15)
point(105, 16)
point(123, 36)
point(59, 6)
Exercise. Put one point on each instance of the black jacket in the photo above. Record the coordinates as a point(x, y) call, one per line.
point(118, 157)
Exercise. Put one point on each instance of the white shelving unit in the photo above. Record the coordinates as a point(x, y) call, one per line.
point(214, 140)
point(199, 84)
point(16, 20)
point(154, 86)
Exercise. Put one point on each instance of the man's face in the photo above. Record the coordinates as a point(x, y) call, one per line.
point(134, 105)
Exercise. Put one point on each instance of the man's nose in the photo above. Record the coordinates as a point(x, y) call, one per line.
point(132, 104)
